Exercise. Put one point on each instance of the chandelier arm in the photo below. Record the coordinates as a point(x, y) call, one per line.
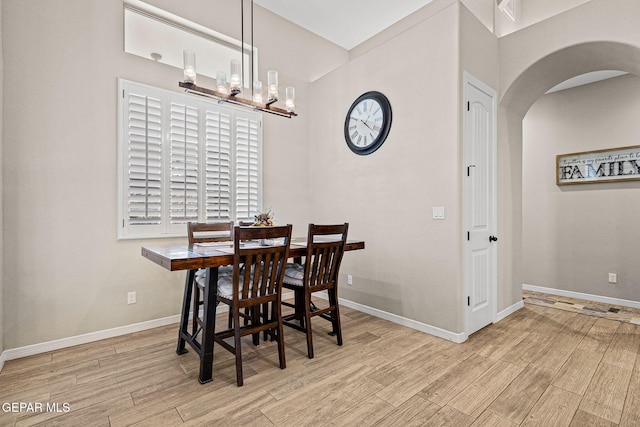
point(223, 97)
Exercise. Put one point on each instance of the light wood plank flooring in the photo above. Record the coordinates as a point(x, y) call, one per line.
point(538, 367)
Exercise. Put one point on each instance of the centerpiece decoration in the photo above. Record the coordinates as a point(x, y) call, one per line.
point(264, 219)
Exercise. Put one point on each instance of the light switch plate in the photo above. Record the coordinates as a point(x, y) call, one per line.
point(438, 212)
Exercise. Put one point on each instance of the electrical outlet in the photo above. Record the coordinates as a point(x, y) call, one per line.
point(613, 278)
point(131, 297)
point(349, 280)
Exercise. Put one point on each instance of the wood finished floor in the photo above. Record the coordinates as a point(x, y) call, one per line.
point(538, 367)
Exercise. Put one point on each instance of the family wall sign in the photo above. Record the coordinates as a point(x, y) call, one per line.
point(611, 165)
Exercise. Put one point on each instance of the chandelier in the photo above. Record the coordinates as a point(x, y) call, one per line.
point(229, 91)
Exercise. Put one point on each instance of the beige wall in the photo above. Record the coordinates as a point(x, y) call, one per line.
point(483, 10)
point(530, 12)
point(410, 265)
point(574, 235)
point(65, 273)
point(416, 18)
point(478, 49)
point(566, 45)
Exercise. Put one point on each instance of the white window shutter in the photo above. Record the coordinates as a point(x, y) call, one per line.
point(248, 166)
point(184, 159)
point(218, 189)
point(143, 174)
point(183, 164)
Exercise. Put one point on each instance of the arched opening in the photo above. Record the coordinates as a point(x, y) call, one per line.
point(564, 64)
point(575, 235)
point(516, 101)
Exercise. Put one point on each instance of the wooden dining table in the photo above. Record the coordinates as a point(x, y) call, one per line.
point(210, 257)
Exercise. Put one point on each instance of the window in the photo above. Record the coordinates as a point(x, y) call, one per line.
point(183, 159)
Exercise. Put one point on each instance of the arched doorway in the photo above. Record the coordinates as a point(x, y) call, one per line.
point(514, 103)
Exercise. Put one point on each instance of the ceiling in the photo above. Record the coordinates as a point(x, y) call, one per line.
point(346, 23)
point(354, 22)
point(587, 78)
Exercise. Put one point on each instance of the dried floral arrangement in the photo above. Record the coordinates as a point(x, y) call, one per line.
point(264, 219)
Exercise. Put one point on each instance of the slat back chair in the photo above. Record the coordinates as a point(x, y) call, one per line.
point(209, 232)
point(255, 288)
point(325, 247)
point(206, 233)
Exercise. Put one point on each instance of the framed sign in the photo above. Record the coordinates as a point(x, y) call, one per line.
point(611, 165)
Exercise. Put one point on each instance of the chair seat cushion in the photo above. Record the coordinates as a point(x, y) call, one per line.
point(293, 274)
point(201, 274)
point(225, 287)
point(225, 283)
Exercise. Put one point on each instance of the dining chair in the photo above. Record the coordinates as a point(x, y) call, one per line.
point(253, 291)
point(199, 232)
point(320, 272)
point(206, 233)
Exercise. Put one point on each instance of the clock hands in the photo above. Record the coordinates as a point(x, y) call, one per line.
point(366, 124)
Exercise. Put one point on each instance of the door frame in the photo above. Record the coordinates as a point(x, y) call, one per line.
point(470, 80)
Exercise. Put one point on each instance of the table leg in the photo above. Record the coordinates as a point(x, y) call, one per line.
point(299, 306)
point(208, 325)
point(299, 299)
point(184, 318)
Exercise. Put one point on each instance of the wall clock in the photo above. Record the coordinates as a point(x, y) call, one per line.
point(367, 123)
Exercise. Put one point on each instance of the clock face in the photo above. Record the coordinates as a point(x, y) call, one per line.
point(367, 123)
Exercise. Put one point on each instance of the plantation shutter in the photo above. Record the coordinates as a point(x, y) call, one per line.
point(184, 159)
point(248, 167)
point(144, 161)
point(183, 164)
point(217, 166)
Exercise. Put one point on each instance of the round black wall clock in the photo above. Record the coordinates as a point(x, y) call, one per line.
point(367, 123)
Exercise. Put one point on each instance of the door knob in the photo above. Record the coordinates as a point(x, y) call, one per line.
point(493, 239)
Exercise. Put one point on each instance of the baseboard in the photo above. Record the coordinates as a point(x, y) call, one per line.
point(30, 350)
point(580, 295)
point(410, 323)
point(509, 310)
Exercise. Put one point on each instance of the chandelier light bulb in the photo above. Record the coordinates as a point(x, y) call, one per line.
point(235, 76)
point(221, 82)
point(290, 96)
point(189, 58)
point(257, 91)
point(272, 85)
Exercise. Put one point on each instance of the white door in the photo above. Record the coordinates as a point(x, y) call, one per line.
point(480, 260)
